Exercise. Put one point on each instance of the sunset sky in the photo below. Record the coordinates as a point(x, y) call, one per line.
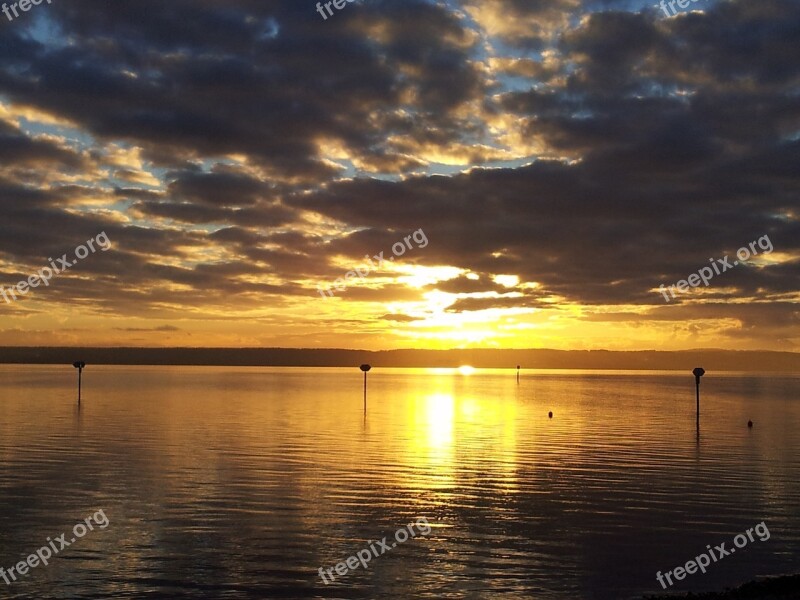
point(564, 159)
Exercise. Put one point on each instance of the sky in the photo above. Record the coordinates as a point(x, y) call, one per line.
point(401, 174)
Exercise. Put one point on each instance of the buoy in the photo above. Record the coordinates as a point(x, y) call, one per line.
point(550, 414)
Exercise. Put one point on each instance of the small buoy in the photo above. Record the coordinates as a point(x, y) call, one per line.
point(750, 424)
point(550, 414)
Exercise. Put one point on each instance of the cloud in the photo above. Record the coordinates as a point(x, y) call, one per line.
point(243, 157)
point(140, 329)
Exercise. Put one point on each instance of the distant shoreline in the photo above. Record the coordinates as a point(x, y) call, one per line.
point(645, 360)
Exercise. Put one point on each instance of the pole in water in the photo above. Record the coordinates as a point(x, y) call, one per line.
point(698, 373)
point(365, 368)
point(517, 373)
point(79, 364)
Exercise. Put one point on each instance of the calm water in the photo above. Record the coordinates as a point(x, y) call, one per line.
point(243, 482)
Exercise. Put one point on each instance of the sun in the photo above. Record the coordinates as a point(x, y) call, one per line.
point(466, 370)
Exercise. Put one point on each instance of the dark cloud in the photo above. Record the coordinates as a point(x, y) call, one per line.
point(399, 318)
point(217, 189)
point(18, 149)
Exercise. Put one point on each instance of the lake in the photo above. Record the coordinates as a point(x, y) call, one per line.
point(245, 482)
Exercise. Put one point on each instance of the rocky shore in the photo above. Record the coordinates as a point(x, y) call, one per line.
point(777, 588)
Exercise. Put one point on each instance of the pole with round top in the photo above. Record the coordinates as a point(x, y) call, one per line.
point(365, 368)
point(698, 373)
point(79, 364)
